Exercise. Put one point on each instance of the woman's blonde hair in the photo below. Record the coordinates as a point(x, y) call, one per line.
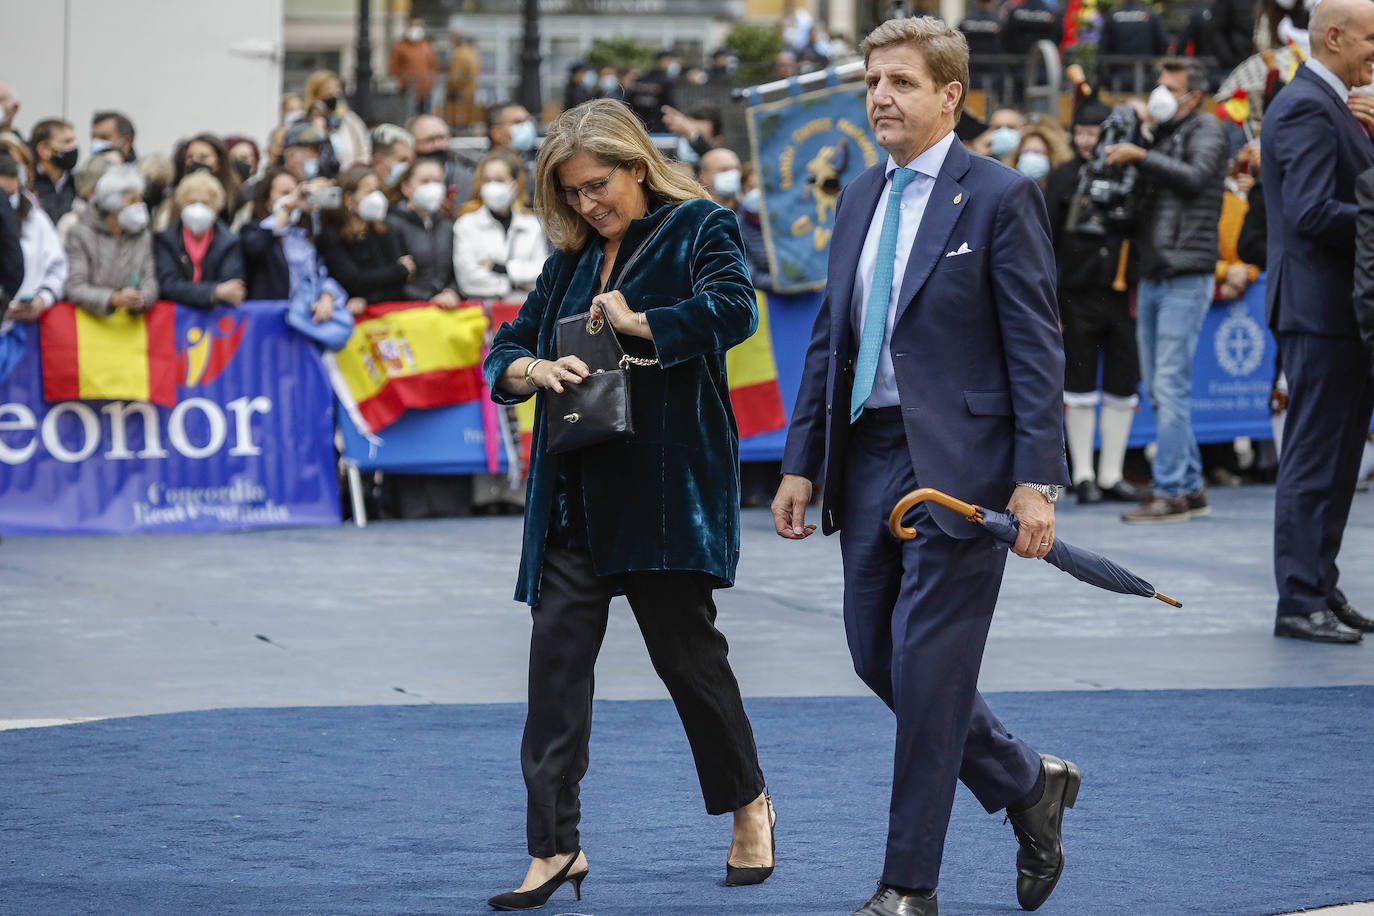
point(198, 181)
point(608, 131)
point(313, 82)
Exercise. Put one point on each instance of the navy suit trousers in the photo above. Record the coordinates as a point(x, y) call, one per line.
point(916, 616)
point(1330, 397)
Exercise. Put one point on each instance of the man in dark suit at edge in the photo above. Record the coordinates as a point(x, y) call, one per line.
point(1315, 143)
point(936, 360)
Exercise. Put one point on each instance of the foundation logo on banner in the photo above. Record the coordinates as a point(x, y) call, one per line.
point(808, 147)
point(208, 351)
point(1239, 342)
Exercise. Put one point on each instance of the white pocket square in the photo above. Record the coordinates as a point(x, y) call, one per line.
point(962, 249)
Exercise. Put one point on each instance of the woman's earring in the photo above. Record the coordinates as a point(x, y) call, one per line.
point(640, 180)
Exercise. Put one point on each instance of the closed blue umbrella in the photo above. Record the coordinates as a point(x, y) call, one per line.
point(1085, 565)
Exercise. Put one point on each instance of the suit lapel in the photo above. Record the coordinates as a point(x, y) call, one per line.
point(861, 200)
point(947, 200)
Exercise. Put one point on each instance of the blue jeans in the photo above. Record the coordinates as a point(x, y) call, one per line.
point(1169, 320)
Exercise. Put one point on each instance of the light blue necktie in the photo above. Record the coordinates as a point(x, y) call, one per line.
point(879, 297)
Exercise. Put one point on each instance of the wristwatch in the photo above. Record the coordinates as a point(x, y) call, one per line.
point(1048, 490)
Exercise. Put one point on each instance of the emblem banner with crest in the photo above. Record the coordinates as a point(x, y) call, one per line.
point(807, 147)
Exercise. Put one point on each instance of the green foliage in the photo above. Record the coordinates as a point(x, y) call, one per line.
point(757, 47)
point(618, 51)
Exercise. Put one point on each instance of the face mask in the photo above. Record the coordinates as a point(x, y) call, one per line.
point(397, 170)
point(497, 195)
point(65, 161)
point(311, 169)
point(197, 217)
point(193, 167)
point(673, 69)
point(330, 103)
point(243, 168)
point(23, 177)
point(99, 146)
point(438, 155)
point(752, 201)
point(372, 208)
point(14, 201)
point(133, 218)
point(1004, 140)
point(291, 117)
point(727, 183)
point(428, 196)
point(608, 83)
point(522, 136)
point(415, 33)
point(589, 81)
point(1162, 105)
point(1033, 165)
point(685, 153)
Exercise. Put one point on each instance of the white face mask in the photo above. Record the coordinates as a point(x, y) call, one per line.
point(197, 217)
point(608, 83)
point(428, 196)
point(1004, 140)
point(727, 183)
point(673, 69)
point(415, 33)
point(497, 195)
point(14, 202)
point(133, 218)
point(1162, 106)
point(522, 136)
point(753, 201)
point(1033, 165)
point(372, 208)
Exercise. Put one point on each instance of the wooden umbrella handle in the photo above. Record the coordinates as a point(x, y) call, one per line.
point(915, 497)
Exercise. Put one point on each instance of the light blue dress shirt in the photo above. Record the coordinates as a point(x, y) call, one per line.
point(913, 209)
point(1325, 74)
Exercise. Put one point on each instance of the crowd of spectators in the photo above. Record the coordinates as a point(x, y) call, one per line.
point(392, 212)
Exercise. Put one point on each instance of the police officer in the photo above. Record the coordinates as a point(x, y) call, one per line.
point(1095, 311)
point(655, 89)
point(1135, 31)
point(982, 27)
point(1029, 22)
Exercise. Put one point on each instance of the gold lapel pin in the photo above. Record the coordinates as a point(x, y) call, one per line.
point(958, 197)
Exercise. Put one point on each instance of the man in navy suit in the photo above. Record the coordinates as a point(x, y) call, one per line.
point(936, 361)
point(1315, 143)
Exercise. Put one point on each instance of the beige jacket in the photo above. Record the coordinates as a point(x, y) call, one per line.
point(99, 263)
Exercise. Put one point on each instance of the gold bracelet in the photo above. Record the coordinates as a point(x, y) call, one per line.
point(528, 368)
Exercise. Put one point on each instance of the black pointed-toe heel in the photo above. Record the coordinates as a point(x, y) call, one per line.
point(736, 876)
point(534, 899)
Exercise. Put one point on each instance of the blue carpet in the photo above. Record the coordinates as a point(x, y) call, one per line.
point(1214, 802)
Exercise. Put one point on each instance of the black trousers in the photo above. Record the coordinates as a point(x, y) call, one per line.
point(1330, 397)
point(677, 618)
point(1098, 323)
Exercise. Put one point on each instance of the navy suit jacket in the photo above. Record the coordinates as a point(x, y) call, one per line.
point(1311, 152)
point(976, 346)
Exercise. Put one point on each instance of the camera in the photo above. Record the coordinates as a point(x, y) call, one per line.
point(1105, 200)
point(329, 198)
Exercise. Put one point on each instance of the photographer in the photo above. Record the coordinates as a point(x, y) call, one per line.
point(1094, 302)
point(1184, 172)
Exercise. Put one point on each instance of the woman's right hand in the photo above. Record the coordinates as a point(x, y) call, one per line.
point(323, 309)
point(554, 374)
point(408, 263)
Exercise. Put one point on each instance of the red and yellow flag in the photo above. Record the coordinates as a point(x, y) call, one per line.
point(753, 374)
point(1236, 109)
point(120, 357)
point(412, 354)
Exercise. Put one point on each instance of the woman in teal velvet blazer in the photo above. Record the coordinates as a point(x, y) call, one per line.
point(655, 517)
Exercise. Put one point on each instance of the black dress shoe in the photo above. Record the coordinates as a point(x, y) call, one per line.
point(1353, 618)
point(1124, 492)
point(1039, 830)
point(1088, 492)
point(891, 901)
point(1323, 626)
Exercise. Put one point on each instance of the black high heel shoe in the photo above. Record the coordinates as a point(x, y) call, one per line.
point(737, 876)
point(534, 899)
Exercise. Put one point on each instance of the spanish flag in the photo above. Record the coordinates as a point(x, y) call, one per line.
point(412, 354)
point(753, 375)
point(1236, 109)
point(120, 357)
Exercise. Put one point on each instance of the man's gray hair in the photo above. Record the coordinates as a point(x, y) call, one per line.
point(113, 185)
point(386, 136)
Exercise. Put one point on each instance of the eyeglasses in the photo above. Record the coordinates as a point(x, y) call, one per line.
point(595, 190)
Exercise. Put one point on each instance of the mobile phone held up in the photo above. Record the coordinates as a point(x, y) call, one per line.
point(329, 198)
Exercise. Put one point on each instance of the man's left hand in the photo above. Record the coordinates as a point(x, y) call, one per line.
point(1124, 154)
point(1363, 108)
point(1036, 514)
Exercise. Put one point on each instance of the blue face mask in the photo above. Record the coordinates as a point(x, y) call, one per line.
point(608, 83)
point(1033, 165)
point(523, 135)
point(311, 169)
point(685, 153)
point(1004, 141)
point(589, 81)
point(99, 146)
point(397, 170)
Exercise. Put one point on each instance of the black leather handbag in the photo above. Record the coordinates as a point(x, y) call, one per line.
point(597, 409)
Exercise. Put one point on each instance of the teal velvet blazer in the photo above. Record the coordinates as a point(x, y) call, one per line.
point(669, 497)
